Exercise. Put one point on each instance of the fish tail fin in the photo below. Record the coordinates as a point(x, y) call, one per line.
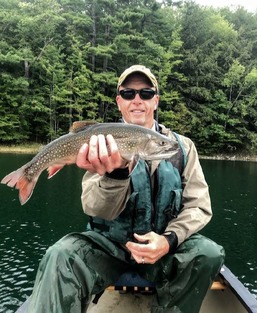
point(12, 179)
point(52, 170)
point(18, 180)
point(26, 189)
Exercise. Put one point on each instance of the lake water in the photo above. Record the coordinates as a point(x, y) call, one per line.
point(55, 209)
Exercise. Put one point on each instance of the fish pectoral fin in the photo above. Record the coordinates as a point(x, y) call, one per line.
point(54, 169)
point(133, 163)
point(81, 125)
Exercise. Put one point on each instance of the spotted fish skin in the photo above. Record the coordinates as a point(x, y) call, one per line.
point(132, 141)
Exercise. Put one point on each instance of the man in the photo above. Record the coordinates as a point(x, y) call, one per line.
point(144, 219)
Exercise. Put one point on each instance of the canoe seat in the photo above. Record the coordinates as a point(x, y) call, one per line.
point(133, 282)
point(129, 282)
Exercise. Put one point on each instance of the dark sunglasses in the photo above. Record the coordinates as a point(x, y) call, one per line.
point(144, 93)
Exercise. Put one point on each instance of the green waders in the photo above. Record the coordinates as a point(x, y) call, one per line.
point(83, 264)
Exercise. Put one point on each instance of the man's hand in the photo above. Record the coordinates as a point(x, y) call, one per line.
point(150, 249)
point(95, 157)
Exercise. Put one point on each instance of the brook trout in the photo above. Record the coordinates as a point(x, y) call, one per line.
point(133, 142)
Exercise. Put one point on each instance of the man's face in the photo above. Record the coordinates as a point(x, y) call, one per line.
point(138, 111)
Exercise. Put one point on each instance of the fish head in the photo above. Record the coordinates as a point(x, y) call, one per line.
point(157, 147)
point(135, 142)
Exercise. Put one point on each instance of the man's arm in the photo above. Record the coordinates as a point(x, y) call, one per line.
point(103, 196)
point(196, 205)
point(106, 185)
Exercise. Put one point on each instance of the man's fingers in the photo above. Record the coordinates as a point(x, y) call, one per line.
point(82, 156)
point(101, 155)
point(93, 150)
point(102, 149)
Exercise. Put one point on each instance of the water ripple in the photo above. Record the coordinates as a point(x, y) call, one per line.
point(17, 263)
point(26, 232)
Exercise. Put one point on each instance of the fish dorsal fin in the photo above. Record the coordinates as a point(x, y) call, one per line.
point(81, 125)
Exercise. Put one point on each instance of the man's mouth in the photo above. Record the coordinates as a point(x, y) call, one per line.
point(137, 111)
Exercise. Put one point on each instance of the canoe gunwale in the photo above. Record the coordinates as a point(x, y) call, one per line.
point(241, 292)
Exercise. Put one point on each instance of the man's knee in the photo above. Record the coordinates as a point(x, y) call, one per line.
point(211, 252)
point(209, 256)
point(62, 252)
point(54, 256)
point(203, 250)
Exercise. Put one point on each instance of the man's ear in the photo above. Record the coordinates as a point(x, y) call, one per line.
point(156, 102)
point(117, 101)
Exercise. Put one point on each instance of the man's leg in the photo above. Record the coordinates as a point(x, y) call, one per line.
point(184, 278)
point(72, 270)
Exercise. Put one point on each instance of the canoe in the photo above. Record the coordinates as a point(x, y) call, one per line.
point(226, 295)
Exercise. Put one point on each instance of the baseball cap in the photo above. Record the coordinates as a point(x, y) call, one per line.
point(141, 69)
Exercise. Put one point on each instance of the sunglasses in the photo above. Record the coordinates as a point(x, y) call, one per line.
point(144, 93)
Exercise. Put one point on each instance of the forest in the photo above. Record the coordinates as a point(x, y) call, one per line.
point(60, 61)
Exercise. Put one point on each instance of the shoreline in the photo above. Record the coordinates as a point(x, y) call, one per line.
point(246, 158)
point(21, 149)
point(35, 148)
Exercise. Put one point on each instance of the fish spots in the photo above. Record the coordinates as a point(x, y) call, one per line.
point(132, 140)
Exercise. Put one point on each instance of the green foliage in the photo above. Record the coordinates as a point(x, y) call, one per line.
point(60, 61)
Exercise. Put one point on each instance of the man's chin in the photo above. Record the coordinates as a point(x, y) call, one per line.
point(137, 121)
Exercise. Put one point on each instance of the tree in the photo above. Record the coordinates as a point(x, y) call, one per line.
point(60, 61)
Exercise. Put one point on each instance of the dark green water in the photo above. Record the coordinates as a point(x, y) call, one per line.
point(233, 187)
point(55, 209)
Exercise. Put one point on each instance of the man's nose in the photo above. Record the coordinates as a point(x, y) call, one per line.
point(137, 98)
